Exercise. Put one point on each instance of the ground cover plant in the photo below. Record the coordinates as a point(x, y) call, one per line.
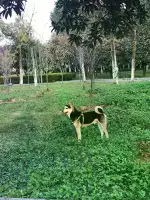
point(41, 158)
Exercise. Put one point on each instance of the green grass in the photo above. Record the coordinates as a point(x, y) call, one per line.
point(41, 158)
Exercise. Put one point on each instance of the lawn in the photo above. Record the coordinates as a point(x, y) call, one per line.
point(41, 158)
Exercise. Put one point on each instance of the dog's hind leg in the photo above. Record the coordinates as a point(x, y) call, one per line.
point(104, 126)
point(101, 129)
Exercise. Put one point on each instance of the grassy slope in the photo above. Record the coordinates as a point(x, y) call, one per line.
point(41, 158)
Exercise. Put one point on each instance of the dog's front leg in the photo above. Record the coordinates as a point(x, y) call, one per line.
point(78, 130)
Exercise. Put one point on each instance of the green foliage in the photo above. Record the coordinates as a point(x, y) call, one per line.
point(8, 6)
point(98, 18)
point(61, 53)
point(20, 33)
point(52, 77)
point(41, 158)
point(113, 22)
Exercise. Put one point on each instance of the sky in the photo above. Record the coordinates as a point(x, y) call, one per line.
point(41, 20)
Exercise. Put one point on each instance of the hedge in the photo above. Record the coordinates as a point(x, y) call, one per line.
point(52, 77)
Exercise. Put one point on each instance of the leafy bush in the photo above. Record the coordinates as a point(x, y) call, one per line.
point(52, 77)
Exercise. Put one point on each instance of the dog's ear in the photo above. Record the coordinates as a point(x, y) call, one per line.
point(71, 106)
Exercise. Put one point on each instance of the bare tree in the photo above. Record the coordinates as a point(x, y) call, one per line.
point(6, 61)
point(34, 67)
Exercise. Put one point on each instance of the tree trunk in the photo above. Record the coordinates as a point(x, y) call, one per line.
point(102, 72)
point(75, 69)
point(80, 78)
point(114, 61)
point(83, 72)
point(20, 66)
point(81, 58)
point(92, 69)
point(40, 66)
point(47, 78)
point(5, 78)
point(133, 55)
point(41, 76)
point(92, 79)
point(62, 76)
point(28, 77)
point(69, 68)
point(28, 67)
point(34, 67)
point(145, 69)
point(37, 67)
point(47, 67)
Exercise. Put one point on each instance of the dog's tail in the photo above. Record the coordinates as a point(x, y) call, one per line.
point(99, 110)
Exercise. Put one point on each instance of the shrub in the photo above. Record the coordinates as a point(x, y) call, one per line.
point(52, 77)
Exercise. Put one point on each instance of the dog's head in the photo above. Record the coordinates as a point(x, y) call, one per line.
point(68, 109)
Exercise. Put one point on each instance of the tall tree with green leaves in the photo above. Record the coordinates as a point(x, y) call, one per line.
point(61, 52)
point(55, 15)
point(111, 16)
point(19, 33)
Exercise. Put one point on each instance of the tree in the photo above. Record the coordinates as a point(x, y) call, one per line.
point(6, 61)
point(113, 17)
point(110, 15)
point(7, 6)
point(20, 33)
point(62, 54)
point(143, 41)
point(133, 55)
point(34, 66)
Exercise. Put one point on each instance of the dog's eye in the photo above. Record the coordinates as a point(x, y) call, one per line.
point(68, 106)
